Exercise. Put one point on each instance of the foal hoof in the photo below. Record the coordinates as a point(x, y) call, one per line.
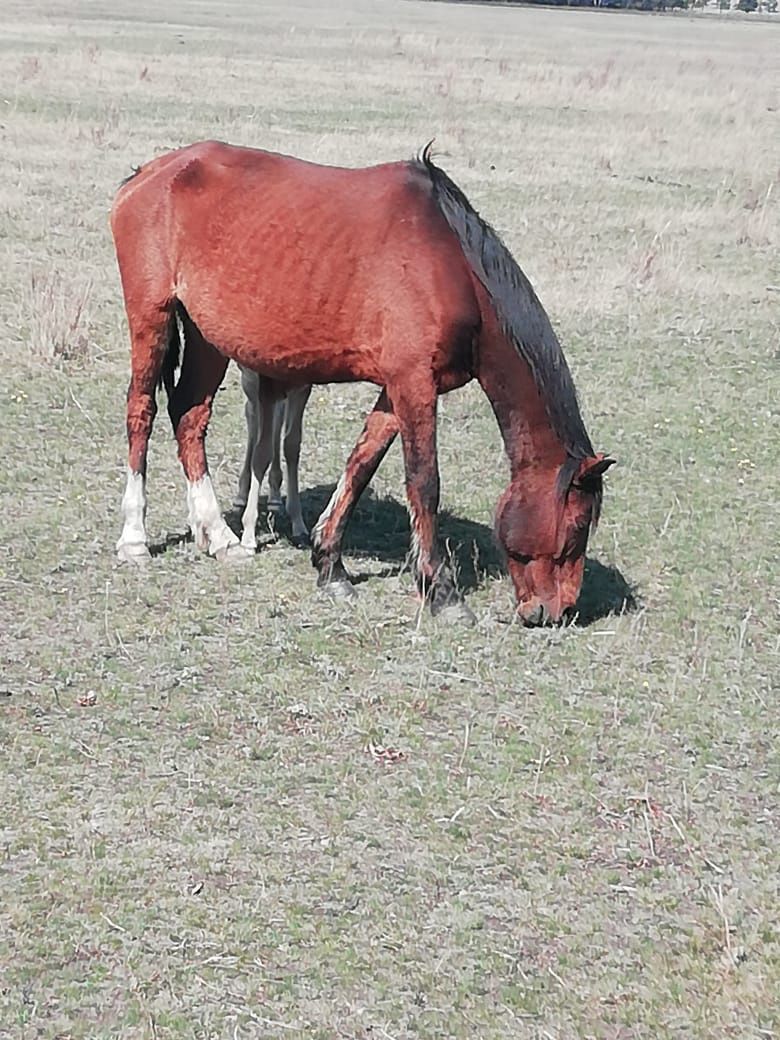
point(301, 541)
point(133, 552)
point(234, 554)
point(448, 605)
point(341, 589)
point(457, 612)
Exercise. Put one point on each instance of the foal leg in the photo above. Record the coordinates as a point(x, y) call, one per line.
point(415, 406)
point(378, 434)
point(203, 369)
point(250, 382)
point(293, 432)
point(151, 332)
point(275, 472)
point(261, 456)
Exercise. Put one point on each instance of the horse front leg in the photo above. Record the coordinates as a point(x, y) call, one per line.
point(379, 431)
point(415, 406)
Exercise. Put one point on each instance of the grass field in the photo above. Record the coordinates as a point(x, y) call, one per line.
point(230, 808)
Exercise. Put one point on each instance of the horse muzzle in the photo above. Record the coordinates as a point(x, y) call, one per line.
point(540, 617)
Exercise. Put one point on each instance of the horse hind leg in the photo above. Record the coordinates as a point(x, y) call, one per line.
point(203, 369)
point(153, 336)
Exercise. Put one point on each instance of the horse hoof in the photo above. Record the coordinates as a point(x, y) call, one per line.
point(339, 590)
point(457, 613)
point(234, 554)
point(301, 541)
point(133, 552)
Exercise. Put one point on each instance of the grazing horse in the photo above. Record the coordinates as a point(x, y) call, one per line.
point(313, 274)
point(272, 425)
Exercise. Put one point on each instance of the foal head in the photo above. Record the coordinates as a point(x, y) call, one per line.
point(543, 521)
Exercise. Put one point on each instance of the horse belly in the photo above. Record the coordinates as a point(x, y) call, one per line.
point(286, 339)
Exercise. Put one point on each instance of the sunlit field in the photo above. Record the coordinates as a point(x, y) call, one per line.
point(234, 808)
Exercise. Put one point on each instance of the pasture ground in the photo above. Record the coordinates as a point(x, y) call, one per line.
point(230, 809)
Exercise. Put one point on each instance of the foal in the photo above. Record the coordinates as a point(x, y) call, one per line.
point(273, 425)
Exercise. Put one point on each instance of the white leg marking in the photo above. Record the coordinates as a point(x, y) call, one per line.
point(132, 541)
point(210, 530)
point(249, 516)
point(325, 515)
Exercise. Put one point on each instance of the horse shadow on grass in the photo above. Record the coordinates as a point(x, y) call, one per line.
point(379, 529)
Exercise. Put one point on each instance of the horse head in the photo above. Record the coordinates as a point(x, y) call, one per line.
point(543, 521)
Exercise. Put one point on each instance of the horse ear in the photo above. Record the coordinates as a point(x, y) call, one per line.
point(592, 467)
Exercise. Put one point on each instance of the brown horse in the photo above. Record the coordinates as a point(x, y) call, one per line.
point(314, 274)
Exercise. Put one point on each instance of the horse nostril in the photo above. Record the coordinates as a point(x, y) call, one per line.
point(536, 617)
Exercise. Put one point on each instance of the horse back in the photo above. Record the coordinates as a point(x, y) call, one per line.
point(267, 249)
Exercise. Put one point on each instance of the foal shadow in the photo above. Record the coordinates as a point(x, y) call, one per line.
point(169, 541)
point(379, 529)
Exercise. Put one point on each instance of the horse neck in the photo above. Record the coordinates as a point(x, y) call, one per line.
point(508, 383)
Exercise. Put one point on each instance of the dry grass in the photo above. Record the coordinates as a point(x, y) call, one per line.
point(232, 810)
point(57, 314)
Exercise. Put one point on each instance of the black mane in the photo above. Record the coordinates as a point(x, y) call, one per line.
point(129, 177)
point(522, 317)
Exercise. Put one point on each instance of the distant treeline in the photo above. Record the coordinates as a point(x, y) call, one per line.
point(764, 6)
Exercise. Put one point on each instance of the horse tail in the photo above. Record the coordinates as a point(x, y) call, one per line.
point(172, 358)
